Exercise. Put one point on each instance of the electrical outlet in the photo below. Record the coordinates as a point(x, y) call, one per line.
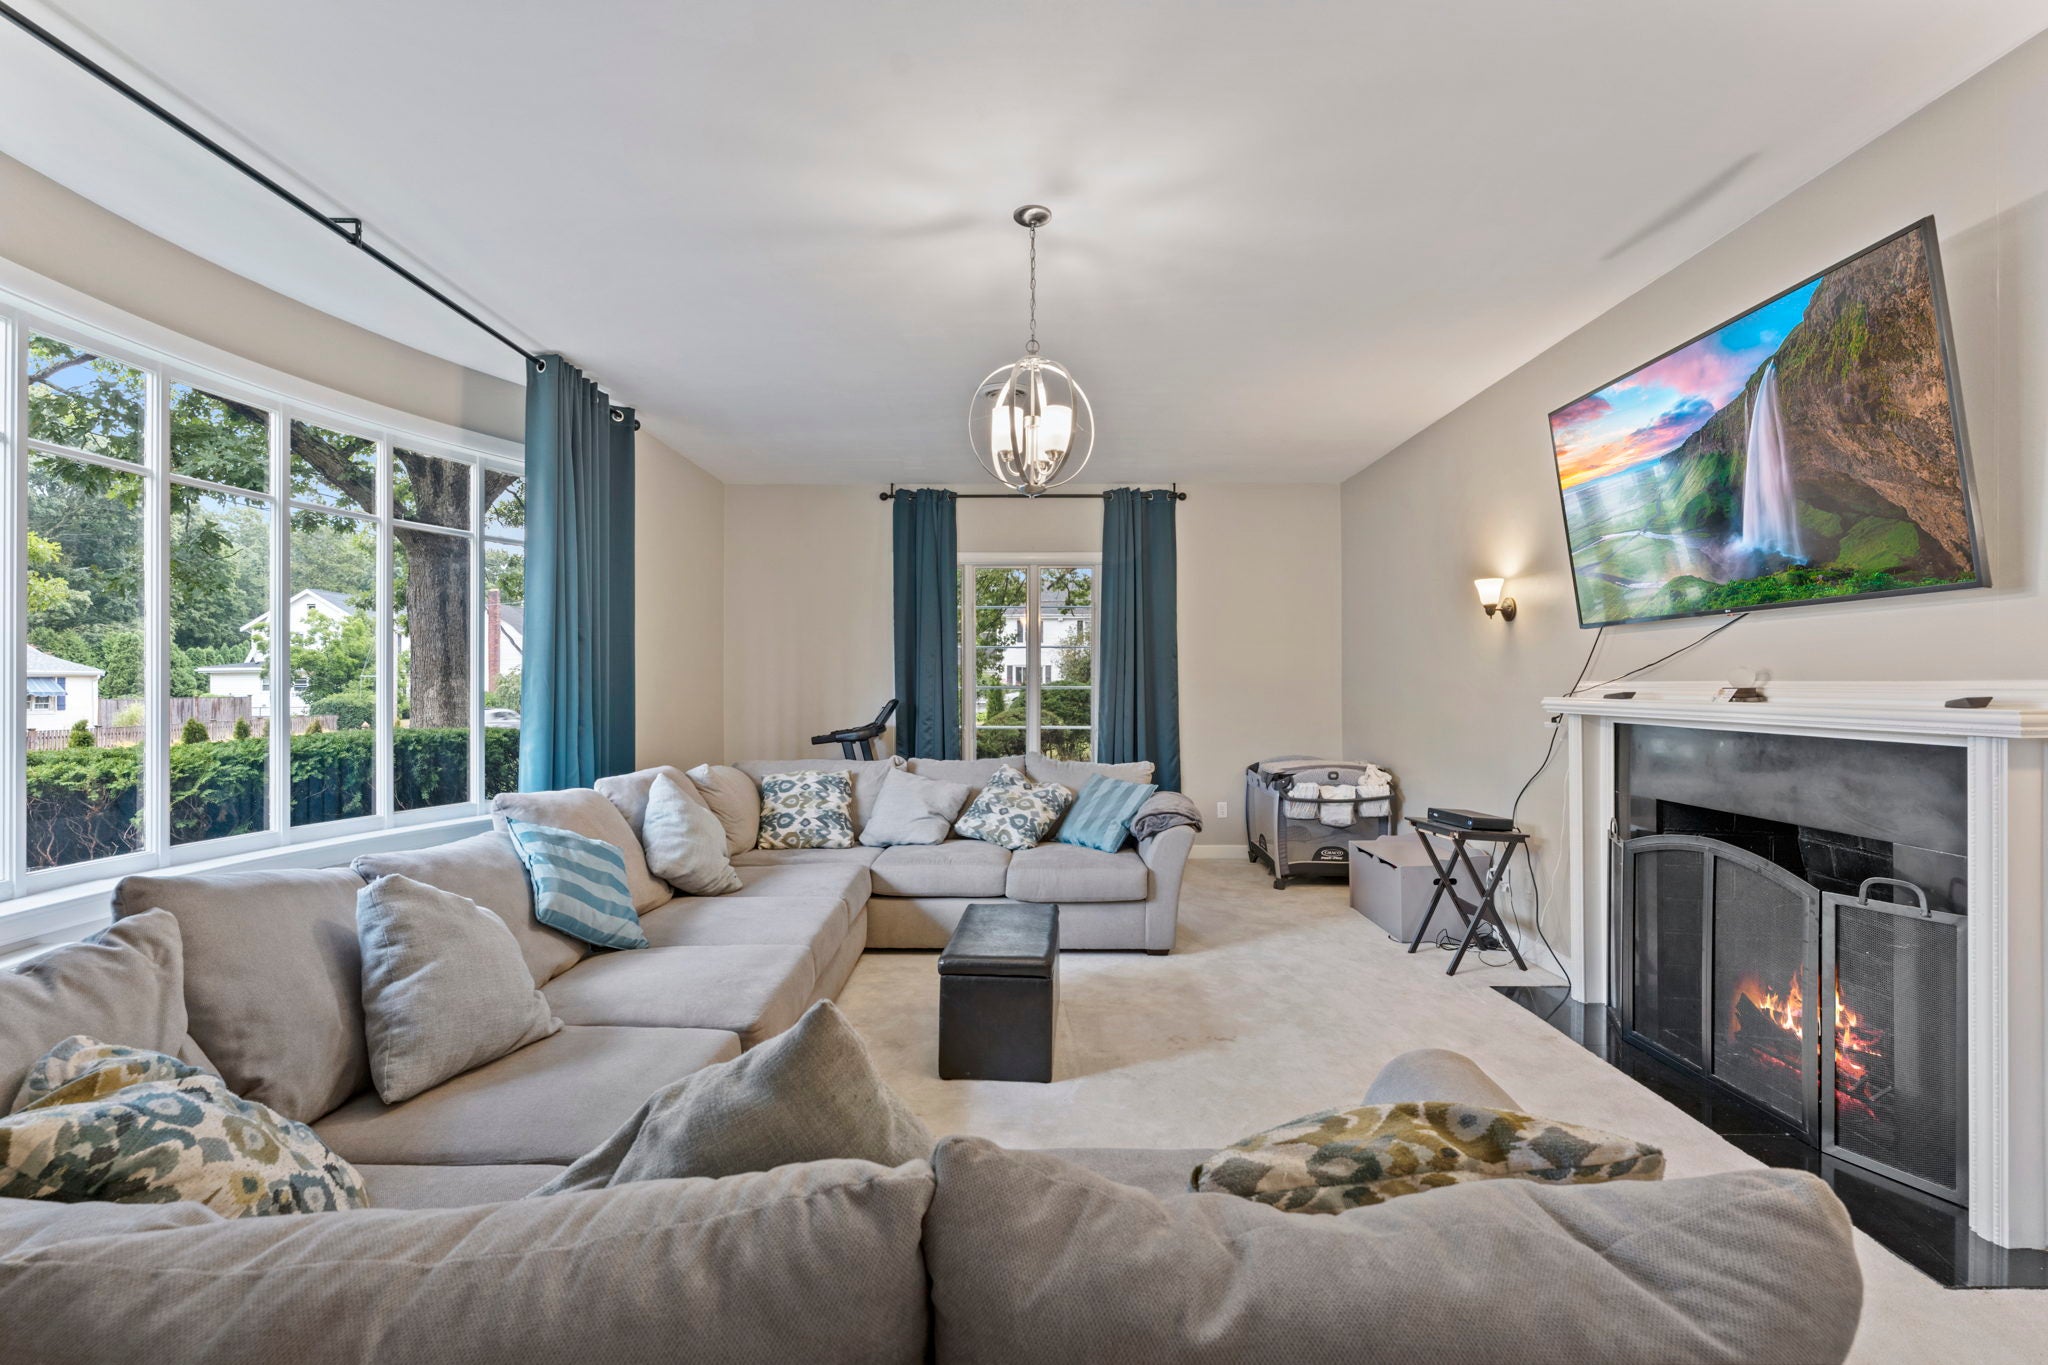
point(1222, 810)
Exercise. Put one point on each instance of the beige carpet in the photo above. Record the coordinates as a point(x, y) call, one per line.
point(1280, 1003)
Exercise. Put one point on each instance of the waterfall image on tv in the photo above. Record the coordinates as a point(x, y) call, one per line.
point(1810, 449)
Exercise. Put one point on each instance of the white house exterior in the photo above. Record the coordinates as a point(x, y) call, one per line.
point(61, 693)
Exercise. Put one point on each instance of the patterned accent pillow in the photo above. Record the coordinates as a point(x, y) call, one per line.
point(100, 1122)
point(1347, 1158)
point(579, 885)
point(806, 810)
point(1012, 811)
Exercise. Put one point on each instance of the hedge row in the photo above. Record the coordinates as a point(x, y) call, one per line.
point(82, 803)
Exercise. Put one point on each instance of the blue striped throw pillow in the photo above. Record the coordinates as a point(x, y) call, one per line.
point(579, 885)
point(1101, 817)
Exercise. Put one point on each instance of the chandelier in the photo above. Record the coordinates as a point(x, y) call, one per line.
point(1030, 423)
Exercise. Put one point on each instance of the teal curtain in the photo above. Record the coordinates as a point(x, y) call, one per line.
point(576, 713)
point(927, 624)
point(1137, 618)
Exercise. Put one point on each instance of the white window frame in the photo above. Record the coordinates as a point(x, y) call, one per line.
point(1034, 566)
point(34, 902)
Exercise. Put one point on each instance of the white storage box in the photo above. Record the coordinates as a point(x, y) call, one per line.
point(1392, 881)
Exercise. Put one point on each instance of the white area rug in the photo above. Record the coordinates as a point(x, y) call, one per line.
point(1279, 1003)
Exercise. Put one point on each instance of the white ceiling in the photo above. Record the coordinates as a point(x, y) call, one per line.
point(1286, 236)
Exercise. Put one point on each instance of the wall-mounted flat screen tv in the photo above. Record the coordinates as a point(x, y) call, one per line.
point(1809, 450)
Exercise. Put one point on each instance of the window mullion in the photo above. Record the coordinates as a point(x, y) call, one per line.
point(279, 727)
point(14, 605)
point(387, 642)
point(479, 622)
point(970, 659)
point(1032, 742)
point(156, 617)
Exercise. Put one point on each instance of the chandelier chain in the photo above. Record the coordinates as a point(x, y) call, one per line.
point(1031, 346)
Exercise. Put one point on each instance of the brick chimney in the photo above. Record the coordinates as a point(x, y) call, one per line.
point(493, 632)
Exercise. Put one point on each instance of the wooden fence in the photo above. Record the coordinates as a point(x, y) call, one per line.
point(212, 710)
point(121, 736)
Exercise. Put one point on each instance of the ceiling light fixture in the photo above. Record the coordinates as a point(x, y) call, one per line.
point(1030, 424)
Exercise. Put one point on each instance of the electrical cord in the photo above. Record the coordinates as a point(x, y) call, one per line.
point(1691, 644)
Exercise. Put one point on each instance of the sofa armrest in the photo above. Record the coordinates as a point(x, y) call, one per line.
point(1166, 854)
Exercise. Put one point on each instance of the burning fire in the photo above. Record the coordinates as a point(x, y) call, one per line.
point(1854, 1040)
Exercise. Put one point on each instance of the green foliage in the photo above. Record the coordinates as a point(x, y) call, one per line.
point(82, 804)
point(335, 653)
point(506, 693)
point(1876, 544)
point(351, 708)
point(131, 714)
point(241, 727)
point(505, 570)
point(51, 598)
point(194, 731)
point(81, 736)
point(84, 401)
point(316, 728)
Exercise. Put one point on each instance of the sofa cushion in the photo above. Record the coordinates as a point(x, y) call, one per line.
point(735, 799)
point(812, 1094)
point(1101, 815)
point(1014, 811)
point(971, 773)
point(1073, 774)
point(868, 775)
point(842, 879)
point(579, 885)
point(806, 857)
point(1696, 1269)
point(915, 810)
point(124, 985)
point(581, 810)
point(551, 1102)
point(1064, 872)
point(453, 1187)
point(629, 792)
point(685, 843)
point(101, 1121)
point(273, 979)
point(485, 868)
point(816, 1262)
point(958, 867)
point(815, 923)
point(755, 990)
point(444, 987)
point(807, 810)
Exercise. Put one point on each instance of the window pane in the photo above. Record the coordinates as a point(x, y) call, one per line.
point(504, 505)
point(333, 469)
point(430, 489)
point(219, 440)
point(993, 667)
point(430, 605)
point(334, 667)
point(998, 743)
point(220, 669)
point(999, 587)
point(504, 651)
point(84, 401)
point(1071, 745)
point(1072, 667)
point(999, 706)
point(1072, 586)
point(85, 621)
point(1064, 706)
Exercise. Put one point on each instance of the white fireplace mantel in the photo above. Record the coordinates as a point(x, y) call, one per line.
point(2007, 747)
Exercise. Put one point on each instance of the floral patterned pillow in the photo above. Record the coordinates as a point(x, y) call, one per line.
point(807, 810)
point(1012, 811)
point(99, 1122)
point(1348, 1158)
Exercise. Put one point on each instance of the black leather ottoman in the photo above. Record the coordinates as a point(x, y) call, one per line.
point(999, 994)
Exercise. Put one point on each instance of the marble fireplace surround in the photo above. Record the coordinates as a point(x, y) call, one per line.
point(2006, 745)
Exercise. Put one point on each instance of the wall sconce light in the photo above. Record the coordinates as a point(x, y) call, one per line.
point(1489, 590)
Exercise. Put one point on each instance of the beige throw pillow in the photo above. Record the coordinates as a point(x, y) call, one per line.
point(734, 799)
point(685, 841)
point(444, 987)
point(1347, 1158)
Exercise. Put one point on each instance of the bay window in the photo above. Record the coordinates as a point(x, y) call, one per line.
point(244, 611)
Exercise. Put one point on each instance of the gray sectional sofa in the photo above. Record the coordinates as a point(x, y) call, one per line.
point(914, 895)
point(977, 1254)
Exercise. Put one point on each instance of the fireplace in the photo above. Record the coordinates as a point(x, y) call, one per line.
point(1783, 959)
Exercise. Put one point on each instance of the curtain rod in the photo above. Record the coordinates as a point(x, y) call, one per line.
point(350, 230)
point(1178, 496)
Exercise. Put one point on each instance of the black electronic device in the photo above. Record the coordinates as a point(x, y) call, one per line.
point(1469, 819)
point(1967, 703)
point(1619, 696)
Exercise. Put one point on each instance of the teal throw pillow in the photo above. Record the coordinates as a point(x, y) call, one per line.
point(579, 885)
point(1101, 817)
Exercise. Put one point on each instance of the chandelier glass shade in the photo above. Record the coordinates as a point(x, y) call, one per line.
point(1030, 423)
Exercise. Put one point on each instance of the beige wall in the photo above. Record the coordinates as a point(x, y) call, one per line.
point(808, 618)
point(680, 523)
point(1447, 698)
point(678, 608)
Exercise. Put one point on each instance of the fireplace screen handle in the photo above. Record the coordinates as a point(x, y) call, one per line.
point(1919, 896)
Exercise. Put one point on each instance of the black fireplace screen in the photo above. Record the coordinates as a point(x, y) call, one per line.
point(1739, 970)
point(1895, 1092)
